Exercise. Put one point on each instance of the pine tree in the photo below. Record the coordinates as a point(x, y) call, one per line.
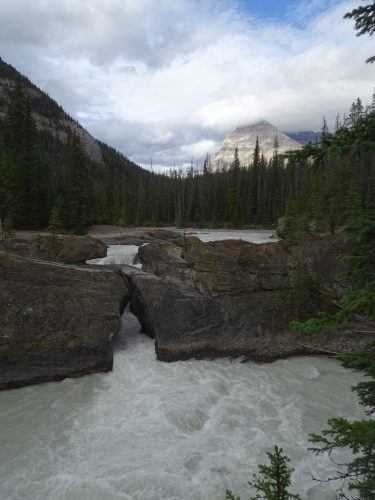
point(77, 186)
point(358, 435)
point(233, 190)
point(290, 221)
point(356, 112)
point(273, 480)
point(324, 132)
point(255, 183)
point(338, 123)
point(31, 172)
point(20, 141)
point(9, 189)
point(55, 225)
point(364, 17)
point(8, 227)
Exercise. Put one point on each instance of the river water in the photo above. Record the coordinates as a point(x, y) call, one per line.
point(185, 430)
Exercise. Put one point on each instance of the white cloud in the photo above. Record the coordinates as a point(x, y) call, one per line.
point(168, 80)
point(198, 149)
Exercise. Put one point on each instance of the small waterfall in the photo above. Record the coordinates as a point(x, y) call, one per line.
point(118, 254)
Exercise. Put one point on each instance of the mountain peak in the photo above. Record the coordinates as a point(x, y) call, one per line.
point(244, 138)
point(256, 125)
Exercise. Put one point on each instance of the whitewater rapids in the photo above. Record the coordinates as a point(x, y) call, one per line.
point(182, 431)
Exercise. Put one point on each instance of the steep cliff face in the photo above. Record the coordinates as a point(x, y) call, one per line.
point(244, 138)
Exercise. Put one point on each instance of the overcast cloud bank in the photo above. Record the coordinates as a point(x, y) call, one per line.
point(168, 80)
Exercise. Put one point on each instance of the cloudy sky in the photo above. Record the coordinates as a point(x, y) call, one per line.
point(168, 79)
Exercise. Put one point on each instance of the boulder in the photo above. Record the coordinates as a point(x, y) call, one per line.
point(233, 267)
point(232, 298)
point(187, 324)
point(165, 260)
point(67, 248)
point(57, 321)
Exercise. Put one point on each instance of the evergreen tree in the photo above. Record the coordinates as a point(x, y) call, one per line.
point(364, 17)
point(9, 189)
point(255, 183)
point(338, 124)
point(8, 227)
point(358, 435)
point(290, 221)
point(356, 112)
point(234, 173)
point(77, 215)
point(20, 140)
point(324, 132)
point(55, 225)
point(317, 200)
point(273, 480)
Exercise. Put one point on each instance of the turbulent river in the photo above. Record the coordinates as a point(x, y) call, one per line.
point(155, 431)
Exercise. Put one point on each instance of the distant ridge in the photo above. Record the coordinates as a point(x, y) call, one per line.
point(244, 138)
point(305, 137)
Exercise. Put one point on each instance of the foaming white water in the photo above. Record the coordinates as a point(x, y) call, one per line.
point(118, 254)
point(126, 254)
point(185, 430)
point(227, 234)
point(179, 431)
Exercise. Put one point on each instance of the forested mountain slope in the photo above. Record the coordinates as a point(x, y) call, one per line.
point(48, 160)
point(50, 165)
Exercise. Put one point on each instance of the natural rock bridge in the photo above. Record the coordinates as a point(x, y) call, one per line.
point(198, 300)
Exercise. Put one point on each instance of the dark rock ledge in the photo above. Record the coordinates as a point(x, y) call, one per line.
point(233, 298)
point(197, 300)
point(63, 248)
point(56, 320)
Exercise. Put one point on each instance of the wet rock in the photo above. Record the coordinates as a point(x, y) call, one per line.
point(57, 321)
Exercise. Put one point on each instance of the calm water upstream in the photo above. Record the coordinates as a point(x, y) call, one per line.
point(151, 430)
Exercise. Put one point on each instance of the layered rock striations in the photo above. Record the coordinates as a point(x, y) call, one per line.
point(244, 139)
point(115, 235)
point(57, 320)
point(197, 300)
point(233, 298)
point(65, 248)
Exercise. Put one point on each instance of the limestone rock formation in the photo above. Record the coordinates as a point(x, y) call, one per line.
point(234, 266)
point(244, 138)
point(57, 321)
point(114, 235)
point(232, 298)
point(66, 248)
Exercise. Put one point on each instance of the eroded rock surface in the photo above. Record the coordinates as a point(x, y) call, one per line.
point(65, 248)
point(187, 324)
point(57, 321)
point(235, 266)
point(232, 298)
point(113, 235)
